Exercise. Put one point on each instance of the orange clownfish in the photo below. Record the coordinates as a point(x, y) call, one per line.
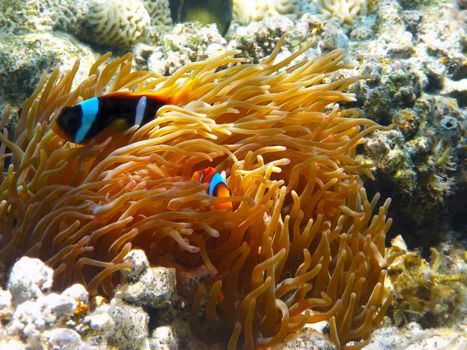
point(217, 185)
point(119, 110)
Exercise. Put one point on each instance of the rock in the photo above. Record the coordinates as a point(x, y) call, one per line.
point(78, 292)
point(310, 337)
point(258, 39)
point(97, 327)
point(154, 288)
point(178, 335)
point(99, 322)
point(139, 265)
point(28, 322)
point(61, 339)
point(5, 304)
point(55, 306)
point(32, 318)
point(11, 344)
point(131, 325)
point(163, 338)
point(28, 279)
point(413, 337)
point(24, 58)
point(40, 15)
point(185, 43)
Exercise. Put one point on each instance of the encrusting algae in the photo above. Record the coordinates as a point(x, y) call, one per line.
point(431, 293)
point(302, 243)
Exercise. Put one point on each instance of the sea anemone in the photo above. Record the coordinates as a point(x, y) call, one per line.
point(301, 244)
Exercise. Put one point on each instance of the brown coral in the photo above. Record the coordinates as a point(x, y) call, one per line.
point(300, 245)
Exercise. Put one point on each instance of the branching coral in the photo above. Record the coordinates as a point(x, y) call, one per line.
point(300, 246)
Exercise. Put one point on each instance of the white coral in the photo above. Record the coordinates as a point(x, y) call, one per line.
point(117, 22)
point(159, 11)
point(247, 11)
point(344, 10)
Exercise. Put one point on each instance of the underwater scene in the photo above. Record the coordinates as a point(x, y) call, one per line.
point(233, 174)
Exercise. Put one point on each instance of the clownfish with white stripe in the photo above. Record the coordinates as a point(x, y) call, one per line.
point(217, 187)
point(99, 117)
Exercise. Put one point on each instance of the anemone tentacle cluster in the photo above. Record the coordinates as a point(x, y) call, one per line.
point(303, 243)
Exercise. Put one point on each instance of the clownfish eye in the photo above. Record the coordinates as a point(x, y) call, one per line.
point(69, 120)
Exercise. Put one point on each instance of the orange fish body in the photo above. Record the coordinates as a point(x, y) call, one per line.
point(217, 187)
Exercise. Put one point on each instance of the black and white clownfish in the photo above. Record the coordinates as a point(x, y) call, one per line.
point(217, 185)
point(105, 114)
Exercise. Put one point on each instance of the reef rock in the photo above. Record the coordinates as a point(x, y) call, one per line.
point(185, 43)
point(413, 337)
point(131, 325)
point(24, 58)
point(153, 287)
point(28, 279)
point(418, 85)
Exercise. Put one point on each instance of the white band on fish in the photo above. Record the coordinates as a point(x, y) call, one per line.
point(90, 108)
point(140, 109)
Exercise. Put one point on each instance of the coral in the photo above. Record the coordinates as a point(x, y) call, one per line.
point(185, 43)
point(419, 159)
point(23, 58)
point(115, 22)
point(161, 20)
point(247, 11)
point(258, 39)
point(23, 16)
point(414, 60)
point(430, 293)
point(344, 10)
point(303, 243)
point(159, 11)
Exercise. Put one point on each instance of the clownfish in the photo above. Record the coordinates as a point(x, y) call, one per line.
point(106, 114)
point(217, 185)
